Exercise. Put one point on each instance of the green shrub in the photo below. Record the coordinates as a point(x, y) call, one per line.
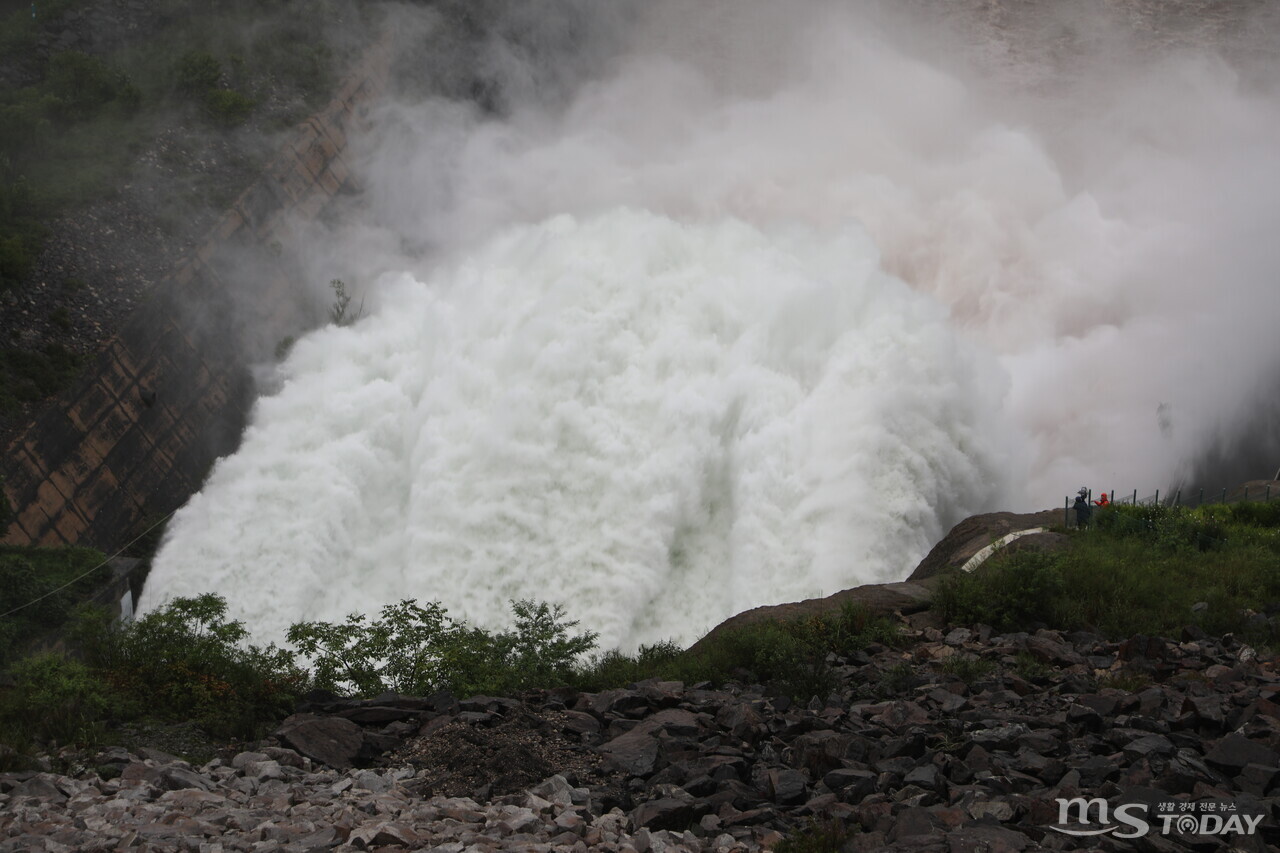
point(1029, 668)
point(16, 260)
point(197, 72)
point(27, 376)
point(1128, 681)
point(897, 679)
point(789, 657)
point(294, 58)
point(818, 837)
point(966, 668)
point(228, 107)
point(340, 312)
point(6, 509)
point(30, 579)
point(1139, 570)
point(1256, 513)
point(1009, 592)
point(55, 697)
point(79, 86)
point(186, 661)
point(613, 668)
point(419, 649)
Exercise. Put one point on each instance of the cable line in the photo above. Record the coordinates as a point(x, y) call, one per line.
point(91, 571)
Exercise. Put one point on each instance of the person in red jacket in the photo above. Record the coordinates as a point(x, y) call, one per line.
point(1102, 501)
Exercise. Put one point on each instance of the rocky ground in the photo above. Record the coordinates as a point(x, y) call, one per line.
point(961, 740)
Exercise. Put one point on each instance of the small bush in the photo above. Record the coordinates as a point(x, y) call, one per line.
point(30, 581)
point(818, 837)
point(228, 107)
point(16, 260)
point(788, 657)
point(898, 679)
point(419, 649)
point(1129, 682)
point(197, 72)
point(6, 509)
point(186, 661)
point(967, 669)
point(80, 86)
point(27, 376)
point(340, 312)
point(1028, 668)
point(1264, 514)
point(57, 698)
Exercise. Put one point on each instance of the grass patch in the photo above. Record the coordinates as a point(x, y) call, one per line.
point(27, 376)
point(790, 658)
point(71, 132)
point(897, 679)
point(1028, 668)
point(967, 669)
point(819, 837)
point(1138, 570)
point(27, 574)
point(1129, 682)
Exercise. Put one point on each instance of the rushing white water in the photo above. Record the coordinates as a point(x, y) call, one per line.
point(652, 366)
point(657, 424)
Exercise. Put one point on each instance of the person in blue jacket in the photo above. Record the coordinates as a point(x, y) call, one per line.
point(1082, 508)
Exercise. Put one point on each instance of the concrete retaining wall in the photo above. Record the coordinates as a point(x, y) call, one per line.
point(169, 394)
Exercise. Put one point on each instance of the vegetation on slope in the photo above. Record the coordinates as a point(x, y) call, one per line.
point(1138, 569)
point(55, 579)
point(1151, 570)
point(189, 662)
point(80, 108)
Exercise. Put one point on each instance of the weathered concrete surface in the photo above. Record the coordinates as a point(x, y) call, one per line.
point(169, 394)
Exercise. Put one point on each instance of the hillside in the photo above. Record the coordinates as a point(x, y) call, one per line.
point(126, 129)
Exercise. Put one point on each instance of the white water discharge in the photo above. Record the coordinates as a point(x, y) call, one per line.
point(750, 308)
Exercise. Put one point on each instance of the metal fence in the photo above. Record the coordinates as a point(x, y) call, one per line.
point(1174, 498)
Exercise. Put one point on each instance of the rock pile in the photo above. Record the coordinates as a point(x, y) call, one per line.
point(961, 741)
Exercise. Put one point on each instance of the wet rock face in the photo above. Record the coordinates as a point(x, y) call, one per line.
point(977, 532)
point(906, 756)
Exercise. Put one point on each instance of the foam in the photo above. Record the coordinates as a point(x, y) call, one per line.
point(657, 424)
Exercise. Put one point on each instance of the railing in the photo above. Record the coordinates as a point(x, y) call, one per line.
point(1264, 494)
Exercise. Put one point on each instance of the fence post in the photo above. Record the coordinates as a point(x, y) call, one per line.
point(1066, 511)
point(1223, 499)
point(1157, 500)
point(1135, 497)
point(1177, 499)
point(1200, 499)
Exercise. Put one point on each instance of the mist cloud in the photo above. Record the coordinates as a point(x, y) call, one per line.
point(1087, 203)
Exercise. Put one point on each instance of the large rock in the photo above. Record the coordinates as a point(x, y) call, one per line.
point(881, 598)
point(1234, 752)
point(977, 532)
point(334, 741)
point(667, 813)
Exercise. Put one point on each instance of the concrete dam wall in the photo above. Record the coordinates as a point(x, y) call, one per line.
point(168, 395)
